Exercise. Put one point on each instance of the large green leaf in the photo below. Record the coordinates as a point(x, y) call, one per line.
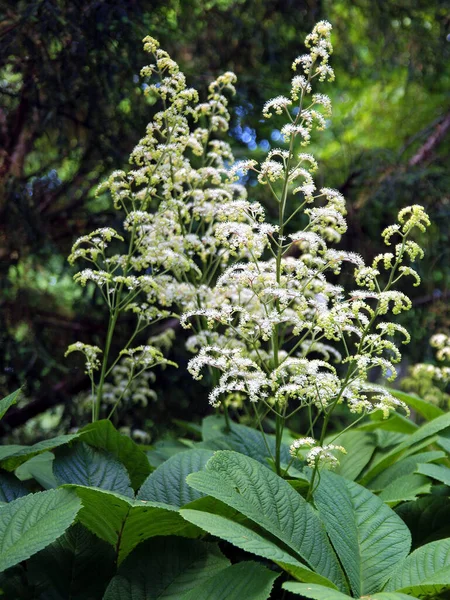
point(405, 466)
point(6, 403)
point(271, 503)
point(11, 488)
point(439, 472)
point(165, 568)
point(254, 541)
point(368, 536)
point(83, 465)
point(425, 573)
point(103, 435)
point(29, 524)
point(360, 446)
point(124, 522)
point(428, 518)
point(247, 580)
point(78, 565)
point(13, 456)
point(168, 483)
point(425, 434)
point(319, 592)
point(406, 488)
point(245, 440)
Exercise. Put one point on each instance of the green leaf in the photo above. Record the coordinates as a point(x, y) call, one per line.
point(252, 540)
point(29, 524)
point(124, 522)
point(165, 568)
point(369, 538)
point(319, 592)
point(6, 403)
point(83, 465)
point(425, 572)
point(405, 466)
point(103, 435)
point(271, 503)
point(247, 580)
point(424, 433)
point(213, 427)
point(168, 483)
point(248, 441)
point(439, 472)
point(360, 446)
point(40, 468)
point(13, 456)
point(65, 568)
point(164, 449)
point(405, 488)
point(11, 487)
point(425, 409)
point(428, 518)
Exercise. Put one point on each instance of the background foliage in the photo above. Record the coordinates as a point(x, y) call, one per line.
point(72, 108)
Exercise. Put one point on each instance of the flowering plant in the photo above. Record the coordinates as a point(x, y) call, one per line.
point(268, 317)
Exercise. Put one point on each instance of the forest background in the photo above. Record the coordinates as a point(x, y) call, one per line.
point(72, 108)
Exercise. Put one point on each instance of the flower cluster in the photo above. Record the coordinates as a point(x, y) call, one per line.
point(316, 455)
point(283, 334)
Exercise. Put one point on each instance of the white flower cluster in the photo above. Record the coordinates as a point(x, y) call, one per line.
point(276, 302)
point(316, 455)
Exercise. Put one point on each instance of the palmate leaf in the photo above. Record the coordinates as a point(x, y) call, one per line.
point(103, 435)
point(6, 403)
point(165, 568)
point(65, 568)
point(167, 483)
point(368, 536)
point(319, 592)
point(83, 465)
point(425, 572)
point(29, 524)
point(271, 503)
point(124, 522)
point(254, 541)
point(247, 580)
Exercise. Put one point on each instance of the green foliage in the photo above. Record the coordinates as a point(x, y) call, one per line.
point(104, 436)
point(166, 568)
point(124, 522)
point(31, 523)
point(6, 403)
point(273, 505)
point(373, 539)
point(426, 572)
point(77, 565)
point(167, 484)
point(85, 466)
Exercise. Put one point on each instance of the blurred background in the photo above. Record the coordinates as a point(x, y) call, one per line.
point(72, 108)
